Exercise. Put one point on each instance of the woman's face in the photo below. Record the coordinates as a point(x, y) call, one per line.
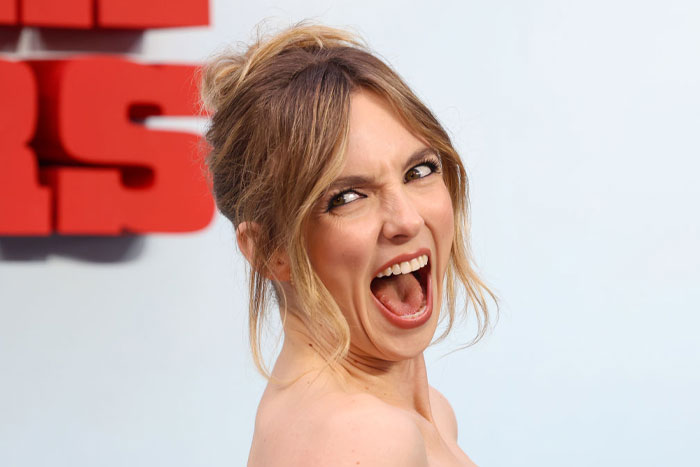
point(387, 212)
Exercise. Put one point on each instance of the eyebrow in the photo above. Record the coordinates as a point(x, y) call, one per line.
point(360, 180)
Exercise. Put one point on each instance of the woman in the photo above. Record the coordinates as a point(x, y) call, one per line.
point(349, 203)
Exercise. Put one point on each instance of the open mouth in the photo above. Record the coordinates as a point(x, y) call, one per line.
point(402, 291)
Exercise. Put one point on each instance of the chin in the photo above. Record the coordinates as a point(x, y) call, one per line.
point(395, 344)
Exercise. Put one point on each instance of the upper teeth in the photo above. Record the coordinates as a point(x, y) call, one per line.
point(405, 267)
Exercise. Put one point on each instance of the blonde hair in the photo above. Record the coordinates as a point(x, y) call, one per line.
point(277, 135)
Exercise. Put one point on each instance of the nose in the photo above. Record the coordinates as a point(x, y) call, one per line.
point(402, 221)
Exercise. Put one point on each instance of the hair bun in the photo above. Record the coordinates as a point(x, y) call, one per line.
point(227, 71)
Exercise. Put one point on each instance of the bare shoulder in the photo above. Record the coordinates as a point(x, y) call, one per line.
point(346, 430)
point(369, 432)
point(443, 413)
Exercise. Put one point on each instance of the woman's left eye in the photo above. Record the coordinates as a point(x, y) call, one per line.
point(420, 171)
point(343, 198)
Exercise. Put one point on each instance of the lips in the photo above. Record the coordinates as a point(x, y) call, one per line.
point(402, 289)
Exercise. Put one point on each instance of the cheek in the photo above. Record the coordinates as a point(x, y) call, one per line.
point(442, 227)
point(449, 220)
point(338, 252)
point(443, 218)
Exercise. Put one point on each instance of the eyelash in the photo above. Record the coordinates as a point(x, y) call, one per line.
point(432, 162)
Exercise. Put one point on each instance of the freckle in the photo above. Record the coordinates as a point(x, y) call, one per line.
point(310, 345)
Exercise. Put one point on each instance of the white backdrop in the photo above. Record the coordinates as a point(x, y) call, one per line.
point(578, 122)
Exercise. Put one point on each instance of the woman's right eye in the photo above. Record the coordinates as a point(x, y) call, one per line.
point(344, 198)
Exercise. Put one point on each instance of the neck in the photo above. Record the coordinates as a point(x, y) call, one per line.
point(402, 383)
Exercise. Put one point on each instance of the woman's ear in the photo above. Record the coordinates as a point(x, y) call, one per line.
point(245, 236)
point(278, 264)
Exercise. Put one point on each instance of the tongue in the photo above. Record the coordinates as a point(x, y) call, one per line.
point(401, 294)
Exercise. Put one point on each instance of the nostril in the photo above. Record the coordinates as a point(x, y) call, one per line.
point(402, 226)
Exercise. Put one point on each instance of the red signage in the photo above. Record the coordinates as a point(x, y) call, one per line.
point(75, 157)
point(122, 14)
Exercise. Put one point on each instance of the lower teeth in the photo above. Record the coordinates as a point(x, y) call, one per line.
point(417, 313)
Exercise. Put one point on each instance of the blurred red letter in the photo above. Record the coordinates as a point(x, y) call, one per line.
point(142, 14)
point(55, 13)
point(127, 177)
point(24, 204)
point(8, 11)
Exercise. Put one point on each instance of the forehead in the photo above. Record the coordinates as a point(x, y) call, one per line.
point(377, 138)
